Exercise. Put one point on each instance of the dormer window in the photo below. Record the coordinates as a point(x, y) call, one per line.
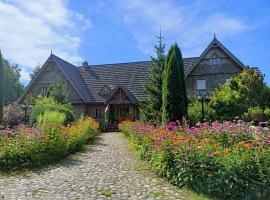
point(214, 60)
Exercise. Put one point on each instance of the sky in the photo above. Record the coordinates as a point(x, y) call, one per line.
point(116, 31)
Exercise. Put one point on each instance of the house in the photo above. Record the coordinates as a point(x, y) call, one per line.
point(96, 88)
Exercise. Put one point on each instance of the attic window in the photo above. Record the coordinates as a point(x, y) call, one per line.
point(214, 60)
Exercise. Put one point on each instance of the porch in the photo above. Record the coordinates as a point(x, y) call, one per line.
point(116, 113)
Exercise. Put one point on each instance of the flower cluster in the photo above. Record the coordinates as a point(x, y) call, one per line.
point(31, 146)
point(217, 159)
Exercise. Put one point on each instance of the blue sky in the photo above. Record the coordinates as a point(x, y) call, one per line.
point(110, 31)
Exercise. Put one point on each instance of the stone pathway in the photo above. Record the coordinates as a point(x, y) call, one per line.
point(106, 170)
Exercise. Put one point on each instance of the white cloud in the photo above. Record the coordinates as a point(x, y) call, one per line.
point(30, 29)
point(186, 23)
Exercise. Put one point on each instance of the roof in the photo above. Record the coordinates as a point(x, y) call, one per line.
point(258, 71)
point(215, 42)
point(72, 74)
point(132, 76)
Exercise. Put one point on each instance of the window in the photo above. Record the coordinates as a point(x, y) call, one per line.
point(201, 84)
point(214, 60)
point(97, 113)
point(44, 91)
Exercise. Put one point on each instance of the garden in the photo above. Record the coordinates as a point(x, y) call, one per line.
point(49, 133)
point(216, 144)
point(223, 160)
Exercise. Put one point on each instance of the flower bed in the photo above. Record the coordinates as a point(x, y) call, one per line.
point(25, 147)
point(226, 161)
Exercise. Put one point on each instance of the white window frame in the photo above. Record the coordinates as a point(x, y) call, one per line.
point(201, 84)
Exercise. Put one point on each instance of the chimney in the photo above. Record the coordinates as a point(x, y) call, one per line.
point(85, 65)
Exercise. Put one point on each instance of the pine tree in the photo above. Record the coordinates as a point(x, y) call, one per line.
point(174, 97)
point(1, 88)
point(150, 110)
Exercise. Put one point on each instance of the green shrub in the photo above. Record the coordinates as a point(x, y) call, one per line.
point(44, 104)
point(267, 113)
point(51, 117)
point(255, 114)
point(195, 112)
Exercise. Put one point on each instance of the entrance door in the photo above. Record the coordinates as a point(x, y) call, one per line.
point(122, 113)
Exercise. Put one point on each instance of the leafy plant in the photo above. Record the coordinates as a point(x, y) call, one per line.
point(44, 104)
point(50, 117)
point(27, 147)
point(222, 160)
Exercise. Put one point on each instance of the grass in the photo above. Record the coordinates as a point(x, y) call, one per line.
point(35, 192)
point(106, 192)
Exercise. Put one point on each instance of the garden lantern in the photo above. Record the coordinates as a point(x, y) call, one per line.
point(202, 96)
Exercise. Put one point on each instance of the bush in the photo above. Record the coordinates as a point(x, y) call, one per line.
point(13, 114)
point(51, 117)
point(81, 132)
point(224, 161)
point(195, 112)
point(28, 147)
point(255, 114)
point(44, 104)
point(245, 90)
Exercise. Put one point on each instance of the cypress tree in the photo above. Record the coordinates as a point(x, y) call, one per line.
point(150, 110)
point(1, 88)
point(174, 97)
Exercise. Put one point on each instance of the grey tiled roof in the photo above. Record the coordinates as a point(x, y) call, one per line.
point(73, 75)
point(258, 71)
point(131, 75)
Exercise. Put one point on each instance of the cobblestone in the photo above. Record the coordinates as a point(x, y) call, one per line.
point(107, 169)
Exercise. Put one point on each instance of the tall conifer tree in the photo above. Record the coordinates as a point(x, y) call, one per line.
point(150, 110)
point(1, 88)
point(174, 97)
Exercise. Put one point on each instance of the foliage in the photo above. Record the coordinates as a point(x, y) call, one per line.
point(174, 97)
point(13, 87)
point(36, 70)
point(222, 160)
point(44, 104)
point(195, 112)
point(80, 132)
point(255, 114)
point(50, 117)
point(13, 115)
point(150, 110)
point(266, 113)
point(28, 147)
point(59, 91)
point(109, 117)
point(244, 91)
point(2, 88)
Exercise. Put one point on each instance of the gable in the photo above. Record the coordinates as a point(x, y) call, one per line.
point(226, 66)
point(49, 73)
point(121, 95)
point(228, 62)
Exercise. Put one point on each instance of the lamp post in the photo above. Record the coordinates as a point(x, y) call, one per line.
point(25, 108)
point(202, 96)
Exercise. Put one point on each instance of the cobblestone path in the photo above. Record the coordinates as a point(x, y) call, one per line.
point(107, 169)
